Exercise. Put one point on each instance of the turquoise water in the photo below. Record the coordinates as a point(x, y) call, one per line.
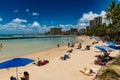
point(17, 47)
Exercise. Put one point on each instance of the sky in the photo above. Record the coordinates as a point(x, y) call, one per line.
point(38, 16)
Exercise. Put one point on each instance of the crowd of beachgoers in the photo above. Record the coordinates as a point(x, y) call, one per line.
point(74, 61)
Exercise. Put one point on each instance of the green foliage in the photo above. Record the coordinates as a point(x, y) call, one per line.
point(110, 74)
point(98, 30)
point(78, 33)
point(117, 61)
point(113, 16)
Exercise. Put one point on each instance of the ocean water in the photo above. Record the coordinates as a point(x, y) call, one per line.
point(17, 47)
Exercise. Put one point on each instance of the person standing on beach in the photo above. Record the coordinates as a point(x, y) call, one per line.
point(1, 45)
point(58, 45)
point(80, 45)
point(68, 44)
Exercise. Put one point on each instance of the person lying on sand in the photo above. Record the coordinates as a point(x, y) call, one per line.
point(89, 72)
point(70, 51)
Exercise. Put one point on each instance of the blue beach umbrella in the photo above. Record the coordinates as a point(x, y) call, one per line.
point(110, 43)
point(101, 48)
point(116, 48)
point(105, 49)
point(16, 62)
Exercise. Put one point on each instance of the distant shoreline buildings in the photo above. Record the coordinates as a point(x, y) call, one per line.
point(73, 31)
point(58, 31)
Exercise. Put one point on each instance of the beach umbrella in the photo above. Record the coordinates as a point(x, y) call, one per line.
point(116, 48)
point(105, 48)
point(110, 43)
point(100, 48)
point(16, 62)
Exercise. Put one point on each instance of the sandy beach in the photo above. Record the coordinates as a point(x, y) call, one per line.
point(58, 69)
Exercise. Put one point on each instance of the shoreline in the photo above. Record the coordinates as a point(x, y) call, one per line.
point(42, 52)
point(46, 51)
point(39, 51)
point(54, 48)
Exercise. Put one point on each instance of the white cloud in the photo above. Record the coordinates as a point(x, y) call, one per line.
point(16, 26)
point(103, 13)
point(35, 14)
point(66, 27)
point(82, 25)
point(43, 29)
point(1, 19)
point(12, 27)
point(27, 10)
point(104, 20)
point(15, 11)
point(18, 20)
point(35, 24)
point(88, 16)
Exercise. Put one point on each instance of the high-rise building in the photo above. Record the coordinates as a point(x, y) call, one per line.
point(87, 28)
point(96, 22)
point(91, 23)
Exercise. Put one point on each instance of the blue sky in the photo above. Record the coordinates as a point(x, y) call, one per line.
point(38, 16)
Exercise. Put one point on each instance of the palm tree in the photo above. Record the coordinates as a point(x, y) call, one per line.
point(117, 20)
point(108, 16)
point(111, 16)
point(117, 14)
point(111, 11)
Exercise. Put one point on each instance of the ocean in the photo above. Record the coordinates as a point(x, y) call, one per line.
point(18, 45)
